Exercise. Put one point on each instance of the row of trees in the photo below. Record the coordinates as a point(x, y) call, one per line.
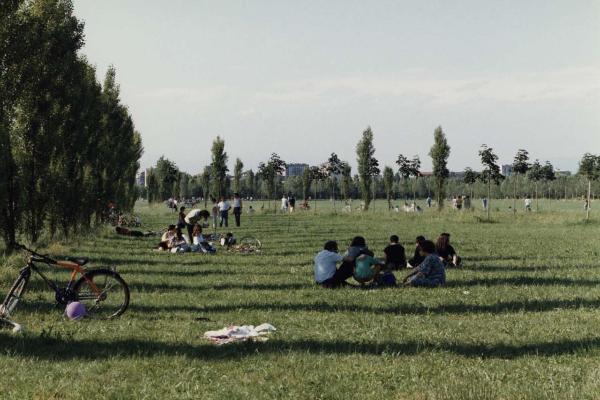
point(333, 179)
point(68, 145)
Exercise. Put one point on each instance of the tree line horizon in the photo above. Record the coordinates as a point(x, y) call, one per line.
point(334, 178)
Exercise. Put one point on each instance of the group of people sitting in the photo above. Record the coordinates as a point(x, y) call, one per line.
point(175, 241)
point(428, 264)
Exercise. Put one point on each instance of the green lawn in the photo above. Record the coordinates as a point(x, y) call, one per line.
point(519, 320)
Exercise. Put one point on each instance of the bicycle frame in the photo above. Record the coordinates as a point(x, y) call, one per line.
point(75, 270)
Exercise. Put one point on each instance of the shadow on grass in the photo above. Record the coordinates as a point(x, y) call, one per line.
point(405, 309)
point(523, 281)
point(58, 349)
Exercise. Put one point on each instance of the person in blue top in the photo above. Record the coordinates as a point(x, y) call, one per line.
point(431, 272)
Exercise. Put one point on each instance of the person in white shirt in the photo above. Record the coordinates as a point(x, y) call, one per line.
point(527, 204)
point(326, 272)
point(237, 208)
point(193, 217)
point(284, 203)
point(224, 211)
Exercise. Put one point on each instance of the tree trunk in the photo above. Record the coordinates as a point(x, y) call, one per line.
point(537, 201)
point(333, 194)
point(316, 188)
point(489, 202)
point(515, 197)
point(587, 211)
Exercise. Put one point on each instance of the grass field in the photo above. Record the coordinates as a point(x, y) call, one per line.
point(520, 320)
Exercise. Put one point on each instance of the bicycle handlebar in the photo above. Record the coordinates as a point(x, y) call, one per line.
point(43, 257)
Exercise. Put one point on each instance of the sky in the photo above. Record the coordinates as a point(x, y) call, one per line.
point(305, 78)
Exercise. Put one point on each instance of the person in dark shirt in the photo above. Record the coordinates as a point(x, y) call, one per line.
point(446, 252)
point(394, 254)
point(417, 258)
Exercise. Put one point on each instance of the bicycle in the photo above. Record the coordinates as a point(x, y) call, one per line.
point(103, 292)
point(246, 245)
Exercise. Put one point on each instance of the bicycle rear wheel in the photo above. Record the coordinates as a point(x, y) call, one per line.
point(103, 292)
point(249, 244)
point(14, 296)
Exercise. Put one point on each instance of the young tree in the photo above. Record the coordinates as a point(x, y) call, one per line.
point(388, 183)
point(375, 171)
point(536, 174)
point(491, 171)
point(589, 167)
point(218, 167)
point(307, 178)
point(365, 152)
point(237, 175)
point(184, 185)
point(167, 175)
point(346, 179)
point(469, 179)
point(317, 175)
point(205, 184)
point(270, 172)
point(333, 169)
point(415, 172)
point(405, 171)
point(250, 183)
point(439, 153)
point(520, 167)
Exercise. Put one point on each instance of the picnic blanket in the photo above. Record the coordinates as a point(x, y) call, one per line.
point(241, 333)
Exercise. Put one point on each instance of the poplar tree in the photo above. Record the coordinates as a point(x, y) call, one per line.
point(218, 167)
point(388, 183)
point(439, 153)
point(237, 175)
point(589, 167)
point(365, 152)
point(490, 173)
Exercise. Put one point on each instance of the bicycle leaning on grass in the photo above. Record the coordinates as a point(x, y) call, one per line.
point(103, 292)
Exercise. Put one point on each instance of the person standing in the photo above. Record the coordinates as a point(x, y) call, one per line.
point(484, 203)
point(291, 202)
point(284, 203)
point(214, 212)
point(237, 208)
point(527, 204)
point(429, 201)
point(224, 211)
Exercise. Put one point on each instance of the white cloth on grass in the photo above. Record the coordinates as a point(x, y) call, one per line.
point(241, 333)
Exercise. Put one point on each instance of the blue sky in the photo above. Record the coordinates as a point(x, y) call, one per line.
point(304, 78)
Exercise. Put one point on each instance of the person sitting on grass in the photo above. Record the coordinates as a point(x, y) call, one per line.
point(167, 238)
point(446, 252)
point(326, 272)
point(417, 259)
point(394, 255)
point(199, 242)
point(179, 243)
point(367, 268)
point(357, 247)
point(127, 232)
point(431, 272)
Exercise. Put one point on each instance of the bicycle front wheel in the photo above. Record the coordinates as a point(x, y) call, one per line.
point(103, 292)
point(14, 296)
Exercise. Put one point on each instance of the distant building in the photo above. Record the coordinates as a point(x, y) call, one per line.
point(507, 170)
point(562, 173)
point(295, 169)
point(140, 178)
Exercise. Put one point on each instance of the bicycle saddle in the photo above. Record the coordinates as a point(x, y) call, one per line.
point(78, 260)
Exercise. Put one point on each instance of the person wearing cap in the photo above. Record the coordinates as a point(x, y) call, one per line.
point(327, 274)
